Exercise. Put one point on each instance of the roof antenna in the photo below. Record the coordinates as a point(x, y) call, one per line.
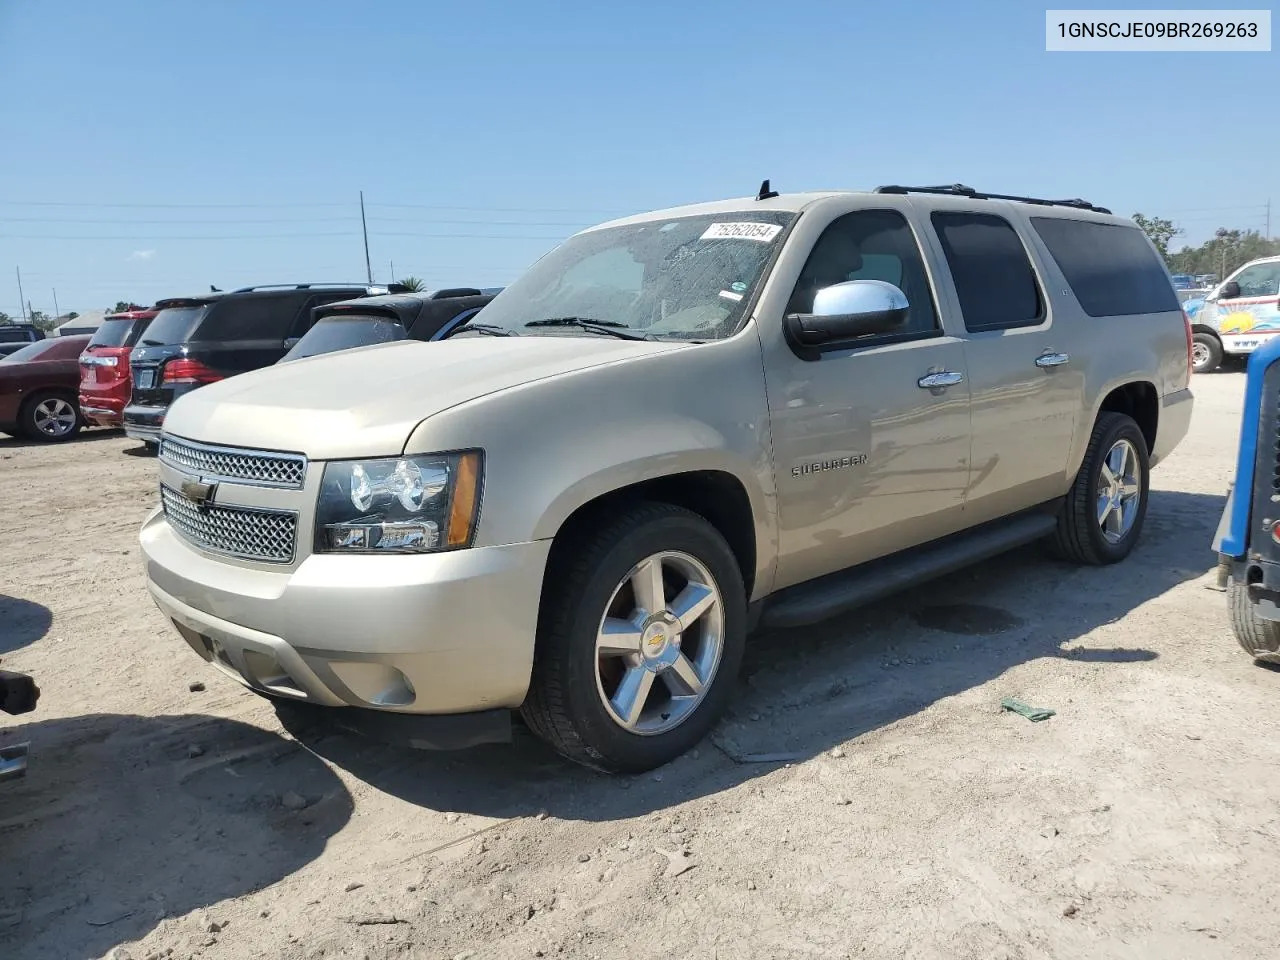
point(765, 193)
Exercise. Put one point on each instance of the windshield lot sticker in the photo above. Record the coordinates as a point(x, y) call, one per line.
point(730, 295)
point(764, 232)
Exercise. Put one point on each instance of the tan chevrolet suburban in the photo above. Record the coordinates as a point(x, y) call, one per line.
point(674, 428)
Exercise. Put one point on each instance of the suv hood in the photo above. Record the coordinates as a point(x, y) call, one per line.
point(365, 402)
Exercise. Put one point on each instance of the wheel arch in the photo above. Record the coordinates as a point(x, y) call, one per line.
point(717, 495)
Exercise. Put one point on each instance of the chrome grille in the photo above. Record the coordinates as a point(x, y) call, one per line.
point(257, 467)
point(246, 532)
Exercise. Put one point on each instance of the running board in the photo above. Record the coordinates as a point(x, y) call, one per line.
point(837, 593)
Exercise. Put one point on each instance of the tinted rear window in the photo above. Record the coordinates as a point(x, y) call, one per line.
point(249, 318)
point(14, 336)
point(993, 277)
point(118, 333)
point(173, 325)
point(344, 332)
point(1112, 270)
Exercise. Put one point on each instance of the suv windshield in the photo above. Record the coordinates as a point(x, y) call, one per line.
point(687, 279)
point(117, 333)
point(174, 325)
point(343, 333)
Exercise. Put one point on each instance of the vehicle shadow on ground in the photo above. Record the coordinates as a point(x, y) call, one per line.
point(804, 691)
point(141, 450)
point(148, 830)
point(87, 435)
point(22, 622)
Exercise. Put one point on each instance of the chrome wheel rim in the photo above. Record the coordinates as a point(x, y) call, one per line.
point(1199, 354)
point(1119, 491)
point(659, 643)
point(54, 417)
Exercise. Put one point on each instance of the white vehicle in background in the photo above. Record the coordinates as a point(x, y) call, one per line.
point(1236, 317)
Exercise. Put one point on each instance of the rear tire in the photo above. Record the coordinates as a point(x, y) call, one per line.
point(1102, 515)
point(1258, 638)
point(667, 669)
point(1206, 353)
point(50, 417)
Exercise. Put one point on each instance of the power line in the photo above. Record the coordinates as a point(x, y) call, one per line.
point(180, 223)
point(166, 206)
point(283, 236)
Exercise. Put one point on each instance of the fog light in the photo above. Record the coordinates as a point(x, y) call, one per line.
point(399, 535)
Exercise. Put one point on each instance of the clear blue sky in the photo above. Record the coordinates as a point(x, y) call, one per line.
point(482, 132)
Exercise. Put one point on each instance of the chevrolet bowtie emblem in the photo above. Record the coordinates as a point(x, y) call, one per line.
point(199, 492)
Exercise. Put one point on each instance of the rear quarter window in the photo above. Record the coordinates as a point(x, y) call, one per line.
point(14, 336)
point(249, 318)
point(1112, 269)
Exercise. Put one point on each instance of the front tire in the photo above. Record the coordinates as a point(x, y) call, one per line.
point(1206, 353)
point(640, 637)
point(1258, 638)
point(1102, 515)
point(50, 418)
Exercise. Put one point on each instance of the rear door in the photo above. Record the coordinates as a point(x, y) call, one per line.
point(1025, 392)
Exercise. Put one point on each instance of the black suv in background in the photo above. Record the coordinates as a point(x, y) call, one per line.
point(197, 340)
point(15, 336)
point(430, 315)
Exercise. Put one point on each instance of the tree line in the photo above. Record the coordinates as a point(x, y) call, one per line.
point(1220, 255)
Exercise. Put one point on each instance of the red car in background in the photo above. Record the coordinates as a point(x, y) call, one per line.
point(38, 389)
point(105, 383)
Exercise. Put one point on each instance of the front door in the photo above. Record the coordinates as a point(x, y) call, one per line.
point(1026, 388)
point(870, 457)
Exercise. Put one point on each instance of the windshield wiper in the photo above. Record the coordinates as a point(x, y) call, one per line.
point(152, 343)
point(610, 327)
point(490, 329)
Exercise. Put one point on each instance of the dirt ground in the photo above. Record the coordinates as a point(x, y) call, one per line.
point(913, 819)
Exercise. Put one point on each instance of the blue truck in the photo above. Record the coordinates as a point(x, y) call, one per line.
point(1248, 537)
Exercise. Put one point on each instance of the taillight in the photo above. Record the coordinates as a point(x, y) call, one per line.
point(183, 370)
point(1186, 320)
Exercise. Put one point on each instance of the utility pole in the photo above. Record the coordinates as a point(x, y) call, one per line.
point(364, 227)
point(22, 301)
point(393, 271)
point(1268, 218)
point(56, 311)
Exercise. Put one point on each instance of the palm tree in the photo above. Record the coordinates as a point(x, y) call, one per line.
point(413, 284)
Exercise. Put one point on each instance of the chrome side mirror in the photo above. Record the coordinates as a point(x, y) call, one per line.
point(846, 311)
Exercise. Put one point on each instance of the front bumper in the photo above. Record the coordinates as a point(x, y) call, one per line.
point(440, 633)
point(143, 423)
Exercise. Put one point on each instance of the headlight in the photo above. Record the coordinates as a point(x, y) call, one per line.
point(399, 505)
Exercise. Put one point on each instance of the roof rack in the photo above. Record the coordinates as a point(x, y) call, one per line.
point(960, 190)
point(308, 286)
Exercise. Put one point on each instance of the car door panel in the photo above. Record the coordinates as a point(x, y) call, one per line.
point(867, 460)
point(1026, 371)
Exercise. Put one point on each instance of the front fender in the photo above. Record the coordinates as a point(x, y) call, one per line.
point(556, 444)
point(1232, 538)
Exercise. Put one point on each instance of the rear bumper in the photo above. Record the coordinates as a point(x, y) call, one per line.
point(143, 423)
point(1174, 422)
point(1263, 579)
point(102, 409)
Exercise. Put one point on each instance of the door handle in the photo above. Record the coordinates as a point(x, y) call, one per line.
point(943, 378)
point(1046, 360)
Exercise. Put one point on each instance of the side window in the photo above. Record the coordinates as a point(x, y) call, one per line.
point(1112, 270)
point(994, 280)
point(1260, 280)
point(869, 245)
point(249, 318)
